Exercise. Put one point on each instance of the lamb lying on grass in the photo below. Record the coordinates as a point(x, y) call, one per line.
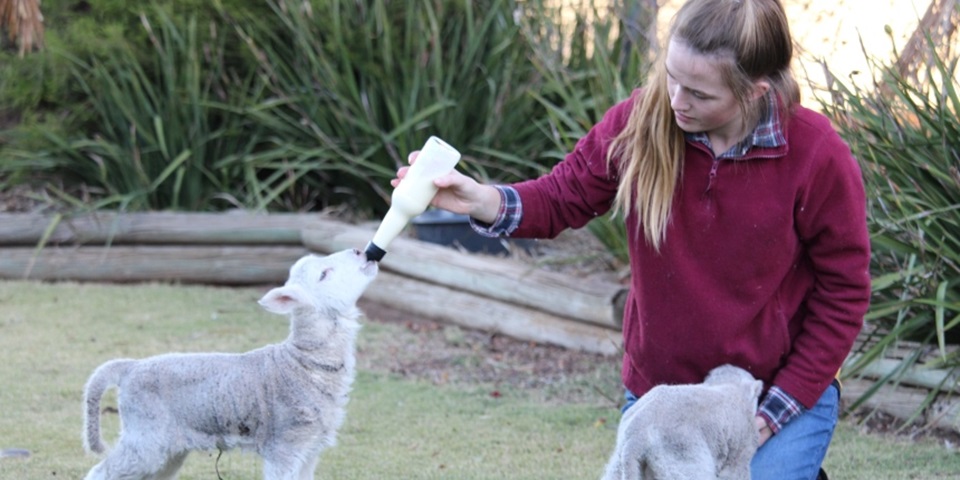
point(691, 432)
point(284, 401)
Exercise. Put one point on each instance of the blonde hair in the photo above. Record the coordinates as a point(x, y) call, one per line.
point(749, 40)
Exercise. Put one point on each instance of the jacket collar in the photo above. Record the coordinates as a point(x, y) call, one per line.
point(766, 136)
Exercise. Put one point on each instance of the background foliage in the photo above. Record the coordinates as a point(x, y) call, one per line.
point(303, 105)
point(906, 132)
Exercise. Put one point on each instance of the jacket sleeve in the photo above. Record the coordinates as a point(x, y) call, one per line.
point(831, 223)
point(579, 188)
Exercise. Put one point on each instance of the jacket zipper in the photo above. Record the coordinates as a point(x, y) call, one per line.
point(713, 175)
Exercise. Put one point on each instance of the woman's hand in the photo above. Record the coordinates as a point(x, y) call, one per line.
point(764, 429)
point(459, 193)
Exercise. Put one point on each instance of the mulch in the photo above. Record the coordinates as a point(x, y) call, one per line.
point(445, 354)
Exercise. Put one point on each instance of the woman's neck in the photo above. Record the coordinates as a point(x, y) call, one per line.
point(721, 143)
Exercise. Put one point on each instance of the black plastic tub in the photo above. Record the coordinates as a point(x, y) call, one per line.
point(453, 230)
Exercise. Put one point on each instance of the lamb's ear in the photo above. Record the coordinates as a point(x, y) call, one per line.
point(756, 388)
point(282, 300)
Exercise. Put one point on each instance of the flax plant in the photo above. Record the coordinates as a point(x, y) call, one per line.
point(587, 69)
point(906, 134)
point(365, 83)
point(318, 103)
point(159, 137)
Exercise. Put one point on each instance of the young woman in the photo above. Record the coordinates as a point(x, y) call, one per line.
point(747, 224)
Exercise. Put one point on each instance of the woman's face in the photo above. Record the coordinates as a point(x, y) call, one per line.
point(701, 100)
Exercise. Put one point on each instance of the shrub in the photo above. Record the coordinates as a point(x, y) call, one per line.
point(41, 82)
point(586, 71)
point(317, 104)
point(372, 80)
point(158, 140)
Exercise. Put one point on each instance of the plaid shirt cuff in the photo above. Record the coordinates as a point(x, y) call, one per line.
point(778, 408)
point(508, 218)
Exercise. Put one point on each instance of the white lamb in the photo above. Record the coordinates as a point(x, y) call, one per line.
point(691, 432)
point(283, 401)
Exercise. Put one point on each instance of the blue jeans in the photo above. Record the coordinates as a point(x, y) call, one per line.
point(796, 452)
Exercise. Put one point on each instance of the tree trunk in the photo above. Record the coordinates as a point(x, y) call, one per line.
point(932, 36)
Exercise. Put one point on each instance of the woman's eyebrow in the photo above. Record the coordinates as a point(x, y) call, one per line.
point(694, 90)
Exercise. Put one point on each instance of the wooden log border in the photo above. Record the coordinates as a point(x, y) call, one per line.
point(205, 264)
point(585, 300)
point(477, 291)
point(903, 401)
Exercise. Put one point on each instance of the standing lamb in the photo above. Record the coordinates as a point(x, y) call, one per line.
point(284, 401)
point(693, 432)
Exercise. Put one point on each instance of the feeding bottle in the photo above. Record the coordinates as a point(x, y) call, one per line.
point(413, 194)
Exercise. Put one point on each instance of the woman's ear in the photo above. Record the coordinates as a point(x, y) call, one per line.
point(760, 88)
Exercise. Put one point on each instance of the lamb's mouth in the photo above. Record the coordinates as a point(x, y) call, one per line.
point(370, 267)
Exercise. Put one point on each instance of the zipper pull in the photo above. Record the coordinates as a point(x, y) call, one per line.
point(713, 175)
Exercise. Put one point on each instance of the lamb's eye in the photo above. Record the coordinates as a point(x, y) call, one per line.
point(324, 274)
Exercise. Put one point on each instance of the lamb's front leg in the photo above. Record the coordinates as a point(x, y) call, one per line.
point(286, 466)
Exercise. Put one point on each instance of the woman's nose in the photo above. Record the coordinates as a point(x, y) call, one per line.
point(677, 100)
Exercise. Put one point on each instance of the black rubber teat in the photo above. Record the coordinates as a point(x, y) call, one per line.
point(374, 252)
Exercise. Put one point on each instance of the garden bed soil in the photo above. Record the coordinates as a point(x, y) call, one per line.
point(441, 354)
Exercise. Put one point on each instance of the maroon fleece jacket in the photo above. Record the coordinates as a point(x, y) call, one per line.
point(765, 263)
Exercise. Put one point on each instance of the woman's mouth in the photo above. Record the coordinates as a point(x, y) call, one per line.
point(681, 118)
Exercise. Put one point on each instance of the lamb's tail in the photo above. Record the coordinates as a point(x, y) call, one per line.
point(105, 376)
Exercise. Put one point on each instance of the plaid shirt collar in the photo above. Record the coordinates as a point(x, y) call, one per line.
point(767, 134)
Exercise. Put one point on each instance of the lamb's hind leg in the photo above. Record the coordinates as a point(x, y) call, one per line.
point(172, 467)
point(689, 465)
point(129, 461)
point(620, 467)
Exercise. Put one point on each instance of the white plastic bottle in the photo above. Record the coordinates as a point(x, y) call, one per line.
point(412, 196)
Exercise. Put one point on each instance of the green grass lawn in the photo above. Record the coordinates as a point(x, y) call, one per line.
point(52, 336)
